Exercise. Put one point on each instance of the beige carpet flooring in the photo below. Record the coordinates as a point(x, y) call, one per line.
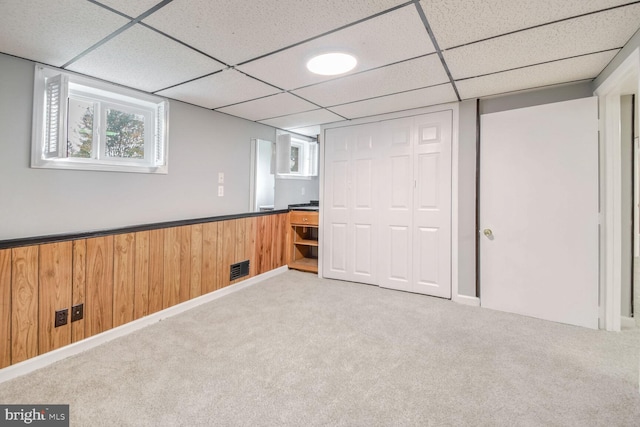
point(296, 350)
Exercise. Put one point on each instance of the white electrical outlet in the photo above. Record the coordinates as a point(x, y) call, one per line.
point(220, 190)
point(220, 177)
point(303, 191)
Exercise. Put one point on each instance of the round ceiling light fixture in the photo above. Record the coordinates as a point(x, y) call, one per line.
point(331, 64)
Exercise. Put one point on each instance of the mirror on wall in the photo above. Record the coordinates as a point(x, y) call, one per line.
point(263, 178)
point(283, 173)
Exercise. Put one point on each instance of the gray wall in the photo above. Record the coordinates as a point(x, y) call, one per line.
point(540, 96)
point(467, 198)
point(626, 143)
point(36, 202)
point(289, 191)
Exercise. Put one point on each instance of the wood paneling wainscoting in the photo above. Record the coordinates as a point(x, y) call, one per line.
point(123, 276)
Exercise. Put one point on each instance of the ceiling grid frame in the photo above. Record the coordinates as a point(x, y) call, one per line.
point(361, 92)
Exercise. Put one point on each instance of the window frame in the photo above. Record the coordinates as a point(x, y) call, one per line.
point(307, 156)
point(104, 96)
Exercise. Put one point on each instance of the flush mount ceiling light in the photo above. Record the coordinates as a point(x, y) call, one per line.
point(331, 64)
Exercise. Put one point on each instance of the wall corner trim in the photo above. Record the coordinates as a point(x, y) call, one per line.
point(35, 363)
point(467, 300)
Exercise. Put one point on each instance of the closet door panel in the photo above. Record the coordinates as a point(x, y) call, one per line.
point(396, 204)
point(432, 205)
point(335, 226)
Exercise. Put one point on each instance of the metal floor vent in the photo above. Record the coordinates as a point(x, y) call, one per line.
point(239, 270)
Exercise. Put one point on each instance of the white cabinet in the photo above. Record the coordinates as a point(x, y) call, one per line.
point(387, 193)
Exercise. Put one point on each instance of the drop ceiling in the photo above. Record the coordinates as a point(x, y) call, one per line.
point(247, 59)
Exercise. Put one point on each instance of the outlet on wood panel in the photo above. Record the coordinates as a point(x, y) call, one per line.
point(77, 312)
point(61, 317)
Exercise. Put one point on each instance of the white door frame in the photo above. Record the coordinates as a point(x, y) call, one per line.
point(626, 76)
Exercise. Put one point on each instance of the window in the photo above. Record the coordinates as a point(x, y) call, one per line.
point(81, 123)
point(297, 158)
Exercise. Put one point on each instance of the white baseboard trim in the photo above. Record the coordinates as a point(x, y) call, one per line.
point(467, 300)
point(627, 322)
point(30, 365)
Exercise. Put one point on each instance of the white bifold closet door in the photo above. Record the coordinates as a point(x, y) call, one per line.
point(349, 230)
point(387, 214)
point(415, 205)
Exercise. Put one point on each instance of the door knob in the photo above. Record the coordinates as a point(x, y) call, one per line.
point(487, 232)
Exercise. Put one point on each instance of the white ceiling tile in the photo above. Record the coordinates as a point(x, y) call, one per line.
point(131, 8)
point(311, 131)
point(53, 32)
point(414, 74)
point(309, 118)
point(455, 22)
point(234, 31)
point(591, 33)
point(220, 89)
point(143, 59)
point(398, 102)
point(388, 38)
point(272, 106)
point(574, 69)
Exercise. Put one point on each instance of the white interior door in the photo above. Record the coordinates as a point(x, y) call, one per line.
point(415, 204)
point(396, 204)
point(349, 214)
point(432, 205)
point(539, 208)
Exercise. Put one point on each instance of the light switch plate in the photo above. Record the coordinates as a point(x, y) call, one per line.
point(220, 177)
point(220, 190)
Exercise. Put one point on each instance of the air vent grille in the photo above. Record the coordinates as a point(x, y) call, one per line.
point(239, 270)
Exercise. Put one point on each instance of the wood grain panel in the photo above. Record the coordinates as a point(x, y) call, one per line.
point(239, 245)
point(228, 250)
point(195, 282)
point(209, 257)
point(79, 283)
point(54, 293)
point(185, 263)
point(24, 307)
point(241, 234)
point(249, 246)
point(99, 305)
point(280, 234)
point(123, 278)
point(156, 270)
point(5, 308)
point(220, 273)
point(171, 294)
point(141, 275)
point(263, 246)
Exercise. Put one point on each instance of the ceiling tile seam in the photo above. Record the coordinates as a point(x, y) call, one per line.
point(388, 94)
point(291, 114)
point(116, 33)
point(190, 80)
point(351, 24)
point(432, 36)
point(247, 100)
point(364, 71)
point(257, 79)
point(185, 44)
point(543, 25)
point(288, 114)
point(538, 63)
point(110, 9)
point(398, 111)
point(530, 89)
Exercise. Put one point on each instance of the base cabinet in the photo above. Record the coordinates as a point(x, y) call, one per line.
point(303, 243)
